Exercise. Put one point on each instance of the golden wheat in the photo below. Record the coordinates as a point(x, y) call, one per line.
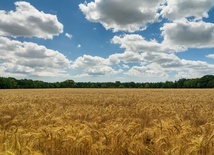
point(106, 122)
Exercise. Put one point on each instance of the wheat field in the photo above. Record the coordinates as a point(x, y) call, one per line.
point(107, 122)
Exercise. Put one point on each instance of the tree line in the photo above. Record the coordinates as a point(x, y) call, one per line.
point(206, 81)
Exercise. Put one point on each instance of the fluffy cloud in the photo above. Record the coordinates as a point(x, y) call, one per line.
point(125, 66)
point(122, 14)
point(163, 59)
point(30, 59)
point(161, 65)
point(195, 71)
point(27, 21)
point(186, 34)
point(94, 66)
point(137, 43)
point(171, 62)
point(150, 70)
point(210, 56)
point(177, 9)
point(68, 35)
point(126, 57)
point(156, 59)
point(159, 59)
point(79, 46)
point(178, 36)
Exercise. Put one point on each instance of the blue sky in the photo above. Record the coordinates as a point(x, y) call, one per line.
point(107, 40)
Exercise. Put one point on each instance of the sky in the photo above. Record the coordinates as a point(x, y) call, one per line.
point(106, 40)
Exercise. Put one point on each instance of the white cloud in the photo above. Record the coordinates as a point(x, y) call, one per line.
point(81, 75)
point(27, 21)
point(163, 59)
point(68, 35)
point(133, 16)
point(79, 45)
point(171, 62)
point(122, 14)
point(127, 57)
point(177, 9)
point(161, 65)
point(137, 43)
point(191, 73)
point(210, 56)
point(178, 36)
point(158, 59)
point(141, 57)
point(125, 66)
point(185, 34)
point(30, 59)
point(151, 70)
point(94, 66)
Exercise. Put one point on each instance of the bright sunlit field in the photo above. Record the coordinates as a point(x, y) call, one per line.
point(107, 122)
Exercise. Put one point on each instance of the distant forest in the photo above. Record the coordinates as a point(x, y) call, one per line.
point(12, 83)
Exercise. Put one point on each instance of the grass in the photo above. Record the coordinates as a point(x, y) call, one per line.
point(107, 122)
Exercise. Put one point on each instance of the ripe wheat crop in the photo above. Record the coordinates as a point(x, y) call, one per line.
point(106, 122)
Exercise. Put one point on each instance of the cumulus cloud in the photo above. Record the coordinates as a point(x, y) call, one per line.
point(137, 43)
point(122, 14)
point(68, 35)
point(151, 70)
point(94, 66)
point(194, 69)
point(141, 57)
point(178, 36)
point(159, 59)
point(30, 59)
point(210, 56)
point(171, 62)
point(27, 21)
point(156, 58)
point(163, 59)
point(79, 45)
point(162, 64)
point(186, 34)
point(175, 9)
point(126, 57)
point(125, 66)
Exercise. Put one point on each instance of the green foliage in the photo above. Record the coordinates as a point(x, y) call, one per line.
point(203, 82)
point(7, 83)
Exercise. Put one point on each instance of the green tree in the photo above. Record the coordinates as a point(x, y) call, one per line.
point(121, 86)
point(104, 85)
point(180, 83)
point(7, 83)
point(205, 80)
point(67, 84)
point(210, 84)
point(117, 84)
point(147, 85)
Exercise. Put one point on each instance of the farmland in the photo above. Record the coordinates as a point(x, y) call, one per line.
point(107, 122)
